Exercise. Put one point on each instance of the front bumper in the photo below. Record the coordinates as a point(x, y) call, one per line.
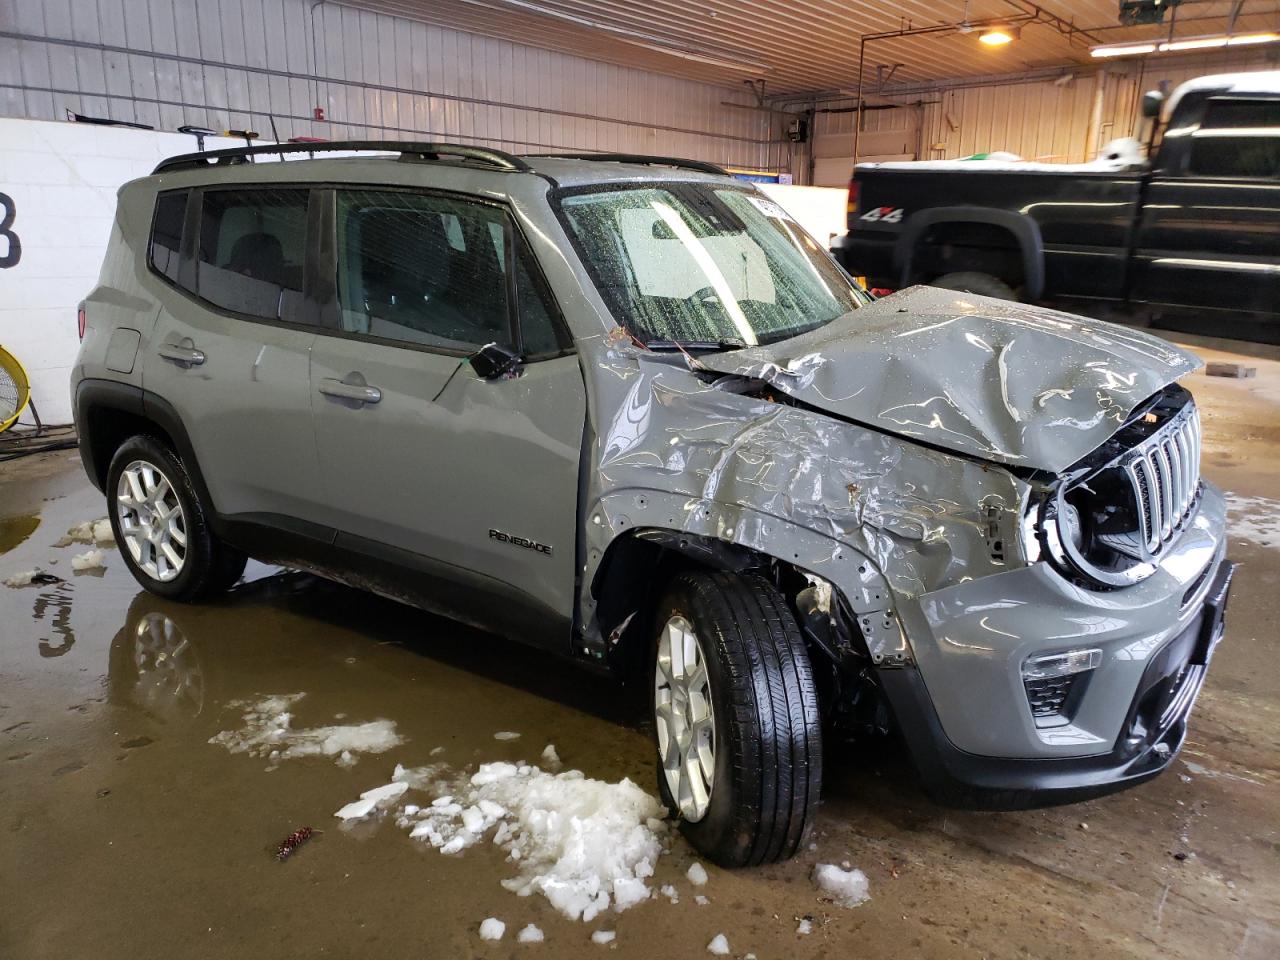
point(1153, 731)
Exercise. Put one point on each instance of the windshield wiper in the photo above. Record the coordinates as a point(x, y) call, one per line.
point(694, 346)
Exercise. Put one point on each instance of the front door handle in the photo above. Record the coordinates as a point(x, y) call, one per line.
point(180, 353)
point(359, 392)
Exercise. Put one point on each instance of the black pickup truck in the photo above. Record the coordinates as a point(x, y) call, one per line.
point(1195, 229)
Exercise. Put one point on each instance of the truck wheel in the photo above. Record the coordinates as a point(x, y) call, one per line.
point(983, 284)
point(162, 527)
point(735, 717)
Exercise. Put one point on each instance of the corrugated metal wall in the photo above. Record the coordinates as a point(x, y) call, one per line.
point(229, 64)
point(1044, 119)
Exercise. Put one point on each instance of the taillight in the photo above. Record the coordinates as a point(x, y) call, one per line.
point(80, 318)
point(852, 207)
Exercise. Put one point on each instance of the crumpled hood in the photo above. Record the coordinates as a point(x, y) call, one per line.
point(1003, 381)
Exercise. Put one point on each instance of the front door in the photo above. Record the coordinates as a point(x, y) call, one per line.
point(1208, 236)
point(461, 492)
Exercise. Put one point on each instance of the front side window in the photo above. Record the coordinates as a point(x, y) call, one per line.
point(1237, 138)
point(253, 250)
point(166, 233)
point(422, 269)
point(696, 263)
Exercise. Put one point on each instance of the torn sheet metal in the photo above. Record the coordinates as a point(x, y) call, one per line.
point(1002, 381)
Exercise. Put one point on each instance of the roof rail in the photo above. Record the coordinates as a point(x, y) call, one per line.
point(701, 166)
point(408, 150)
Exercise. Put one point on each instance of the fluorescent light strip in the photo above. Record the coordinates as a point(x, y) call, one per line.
point(1179, 46)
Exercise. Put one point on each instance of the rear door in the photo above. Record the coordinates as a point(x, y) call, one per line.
point(461, 492)
point(231, 347)
point(1208, 234)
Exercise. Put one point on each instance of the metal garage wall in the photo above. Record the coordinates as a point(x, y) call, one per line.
point(228, 64)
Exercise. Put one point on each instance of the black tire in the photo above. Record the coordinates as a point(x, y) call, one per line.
point(768, 736)
point(210, 567)
point(983, 284)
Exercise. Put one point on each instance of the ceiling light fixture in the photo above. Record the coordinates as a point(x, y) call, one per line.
point(998, 36)
point(1213, 42)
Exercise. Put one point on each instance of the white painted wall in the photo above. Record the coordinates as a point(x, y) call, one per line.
point(61, 180)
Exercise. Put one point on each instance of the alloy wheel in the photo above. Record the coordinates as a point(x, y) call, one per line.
point(151, 520)
point(685, 718)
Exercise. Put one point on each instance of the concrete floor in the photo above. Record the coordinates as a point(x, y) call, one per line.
point(126, 834)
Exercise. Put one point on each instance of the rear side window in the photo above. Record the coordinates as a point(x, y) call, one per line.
point(1237, 138)
point(253, 250)
point(166, 233)
point(422, 269)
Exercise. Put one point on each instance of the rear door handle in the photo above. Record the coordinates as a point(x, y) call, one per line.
point(359, 392)
point(180, 354)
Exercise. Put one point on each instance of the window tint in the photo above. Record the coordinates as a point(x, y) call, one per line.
point(166, 233)
point(540, 333)
point(1237, 138)
point(422, 269)
point(252, 250)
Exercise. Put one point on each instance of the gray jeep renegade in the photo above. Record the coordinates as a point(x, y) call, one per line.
point(626, 410)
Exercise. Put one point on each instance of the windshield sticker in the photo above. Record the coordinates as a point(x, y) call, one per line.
point(769, 208)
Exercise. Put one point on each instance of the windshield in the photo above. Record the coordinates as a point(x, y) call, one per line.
point(692, 263)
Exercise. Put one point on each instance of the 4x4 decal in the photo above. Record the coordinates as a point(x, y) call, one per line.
point(883, 215)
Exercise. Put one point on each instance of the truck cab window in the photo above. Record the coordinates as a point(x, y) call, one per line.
point(1237, 138)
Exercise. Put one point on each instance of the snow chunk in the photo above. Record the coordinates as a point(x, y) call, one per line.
point(670, 892)
point(604, 936)
point(371, 800)
point(584, 844)
point(719, 946)
point(28, 577)
point(530, 934)
point(89, 560)
point(848, 888)
point(268, 732)
point(92, 531)
point(506, 735)
point(491, 928)
point(700, 900)
point(697, 874)
point(804, 927)
point(550, 758)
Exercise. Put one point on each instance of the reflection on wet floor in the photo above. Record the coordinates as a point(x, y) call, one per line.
point(109, 698)
point(13, 530)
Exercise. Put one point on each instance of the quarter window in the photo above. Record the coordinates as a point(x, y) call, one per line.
point(1237, 138)
point(422, 269)
point(166, 233)
point(253, 250)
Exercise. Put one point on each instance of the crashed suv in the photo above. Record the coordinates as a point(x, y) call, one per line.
point(626, 410)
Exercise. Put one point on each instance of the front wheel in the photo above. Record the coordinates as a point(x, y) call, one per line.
point(735, 718)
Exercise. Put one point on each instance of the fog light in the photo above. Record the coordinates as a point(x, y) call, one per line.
point(1061, 664)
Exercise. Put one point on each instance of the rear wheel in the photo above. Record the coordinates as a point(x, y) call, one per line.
point(983, 284)
point(161, 526)
point(735, 718)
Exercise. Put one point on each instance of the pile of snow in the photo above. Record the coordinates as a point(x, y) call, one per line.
point(92, 531)
point(847, 888)
point(530, 934)
point(1256, 519)
point(583, 844)
point(719, 945)
point(89, 560)
point(491, 928)
point(268, 732)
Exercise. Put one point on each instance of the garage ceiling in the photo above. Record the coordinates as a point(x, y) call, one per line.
point(811, 46)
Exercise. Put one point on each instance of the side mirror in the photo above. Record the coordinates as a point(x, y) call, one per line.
point(1152, 102)
point(493, 360)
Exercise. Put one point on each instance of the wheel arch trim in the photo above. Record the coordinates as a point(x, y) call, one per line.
point(1025, 232)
